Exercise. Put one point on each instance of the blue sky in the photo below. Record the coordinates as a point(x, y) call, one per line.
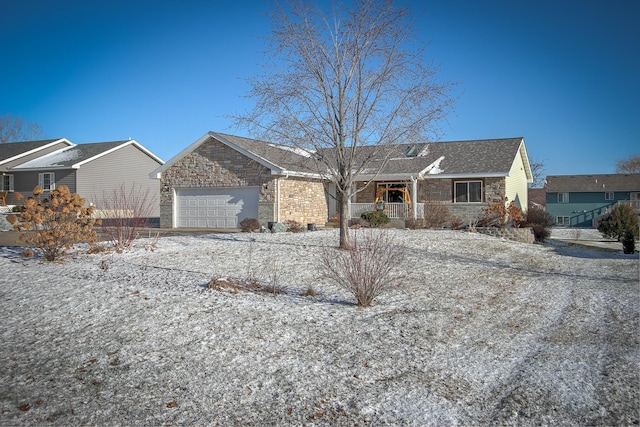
point(563, 74)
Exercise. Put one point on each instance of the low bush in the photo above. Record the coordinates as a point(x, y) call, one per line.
point(621, 219)
point(53, 225)
point(436, 215)
point(249, 225)
point(375, 218)
point(367, 269)
point(540, 221)
point(293, 226)
point(628, 242)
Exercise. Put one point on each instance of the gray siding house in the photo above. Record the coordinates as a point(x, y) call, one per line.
point(92, 170)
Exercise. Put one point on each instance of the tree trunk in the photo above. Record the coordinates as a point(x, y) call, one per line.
point(343, 210)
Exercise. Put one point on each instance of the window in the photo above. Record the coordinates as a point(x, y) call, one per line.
point(47, 181)
point(608, 195)
point(563, 197)
point(468, 192)
point(563, 220)
point(7, 183)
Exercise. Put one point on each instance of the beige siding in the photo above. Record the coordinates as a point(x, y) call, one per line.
point(516, 183)
point(126, 166)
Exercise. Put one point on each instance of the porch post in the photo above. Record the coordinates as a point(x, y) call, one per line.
point(414, 196)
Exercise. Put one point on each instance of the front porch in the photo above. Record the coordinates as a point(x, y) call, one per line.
point(392, 210)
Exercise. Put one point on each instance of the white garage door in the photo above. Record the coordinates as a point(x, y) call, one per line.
point(216, 207)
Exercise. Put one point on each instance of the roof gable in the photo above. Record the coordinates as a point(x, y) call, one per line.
point(281, 160)
point(592, 183)
point(15, 150)
point(75, 156)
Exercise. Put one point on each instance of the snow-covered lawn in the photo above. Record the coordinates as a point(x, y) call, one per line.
point(482, 331)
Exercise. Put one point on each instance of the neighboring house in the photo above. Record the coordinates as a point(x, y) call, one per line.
point(221, 179)
point(92, 170)
point(578, 200)
point(537, 198)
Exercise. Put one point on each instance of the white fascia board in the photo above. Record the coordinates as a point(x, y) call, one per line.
point(298, 174)
point(35, 150)
point(466, 175)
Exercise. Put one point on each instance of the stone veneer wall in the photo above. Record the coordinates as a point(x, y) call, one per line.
point(303, 200)
point(213, 164)
point(430, 190)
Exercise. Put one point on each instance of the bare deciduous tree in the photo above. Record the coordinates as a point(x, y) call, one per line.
point(13, 128)
point(630, 165)
point(537, 171)
point(341, 80)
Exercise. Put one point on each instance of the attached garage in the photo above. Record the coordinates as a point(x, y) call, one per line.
point(215, 207)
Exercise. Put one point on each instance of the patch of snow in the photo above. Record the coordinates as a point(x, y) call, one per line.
point(297, 150)
point(51, 160)
point(481, 331)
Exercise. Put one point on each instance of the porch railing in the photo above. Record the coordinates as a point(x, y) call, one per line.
point(393, 210)
point(635, 204)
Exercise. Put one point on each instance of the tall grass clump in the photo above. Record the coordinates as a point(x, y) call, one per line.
point(367, 269)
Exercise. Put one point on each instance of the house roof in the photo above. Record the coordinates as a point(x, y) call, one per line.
point(474, 158)
point(280, 159)
point(15, 150)
point(592, 183)
point(485, 157)
point(76, 155)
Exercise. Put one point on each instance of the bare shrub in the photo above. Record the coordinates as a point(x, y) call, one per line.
point(249, 225)
point(540, 221)
point(436, 215)
point(367, 269)
point(515, 215)
point(309, 292)
point(456, 223)
point(54, 224)
point(124, 211)
point(293, 226)
point(495, 214)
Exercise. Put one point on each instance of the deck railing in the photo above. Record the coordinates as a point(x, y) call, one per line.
point(635, 204)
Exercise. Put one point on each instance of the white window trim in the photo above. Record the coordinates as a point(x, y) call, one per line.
point(10, 189)
point(609, 195)
point(455, 193)
point(52, 180)
point(563, 220)
point(563, 197)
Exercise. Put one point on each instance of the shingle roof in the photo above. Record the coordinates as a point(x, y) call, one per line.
point(285, 158)
point(70, 156)
point(13, 149)
point(486, 157)
point(593, 183)
point(489, 157)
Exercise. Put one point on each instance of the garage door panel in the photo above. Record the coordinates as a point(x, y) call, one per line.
point(216, 207)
